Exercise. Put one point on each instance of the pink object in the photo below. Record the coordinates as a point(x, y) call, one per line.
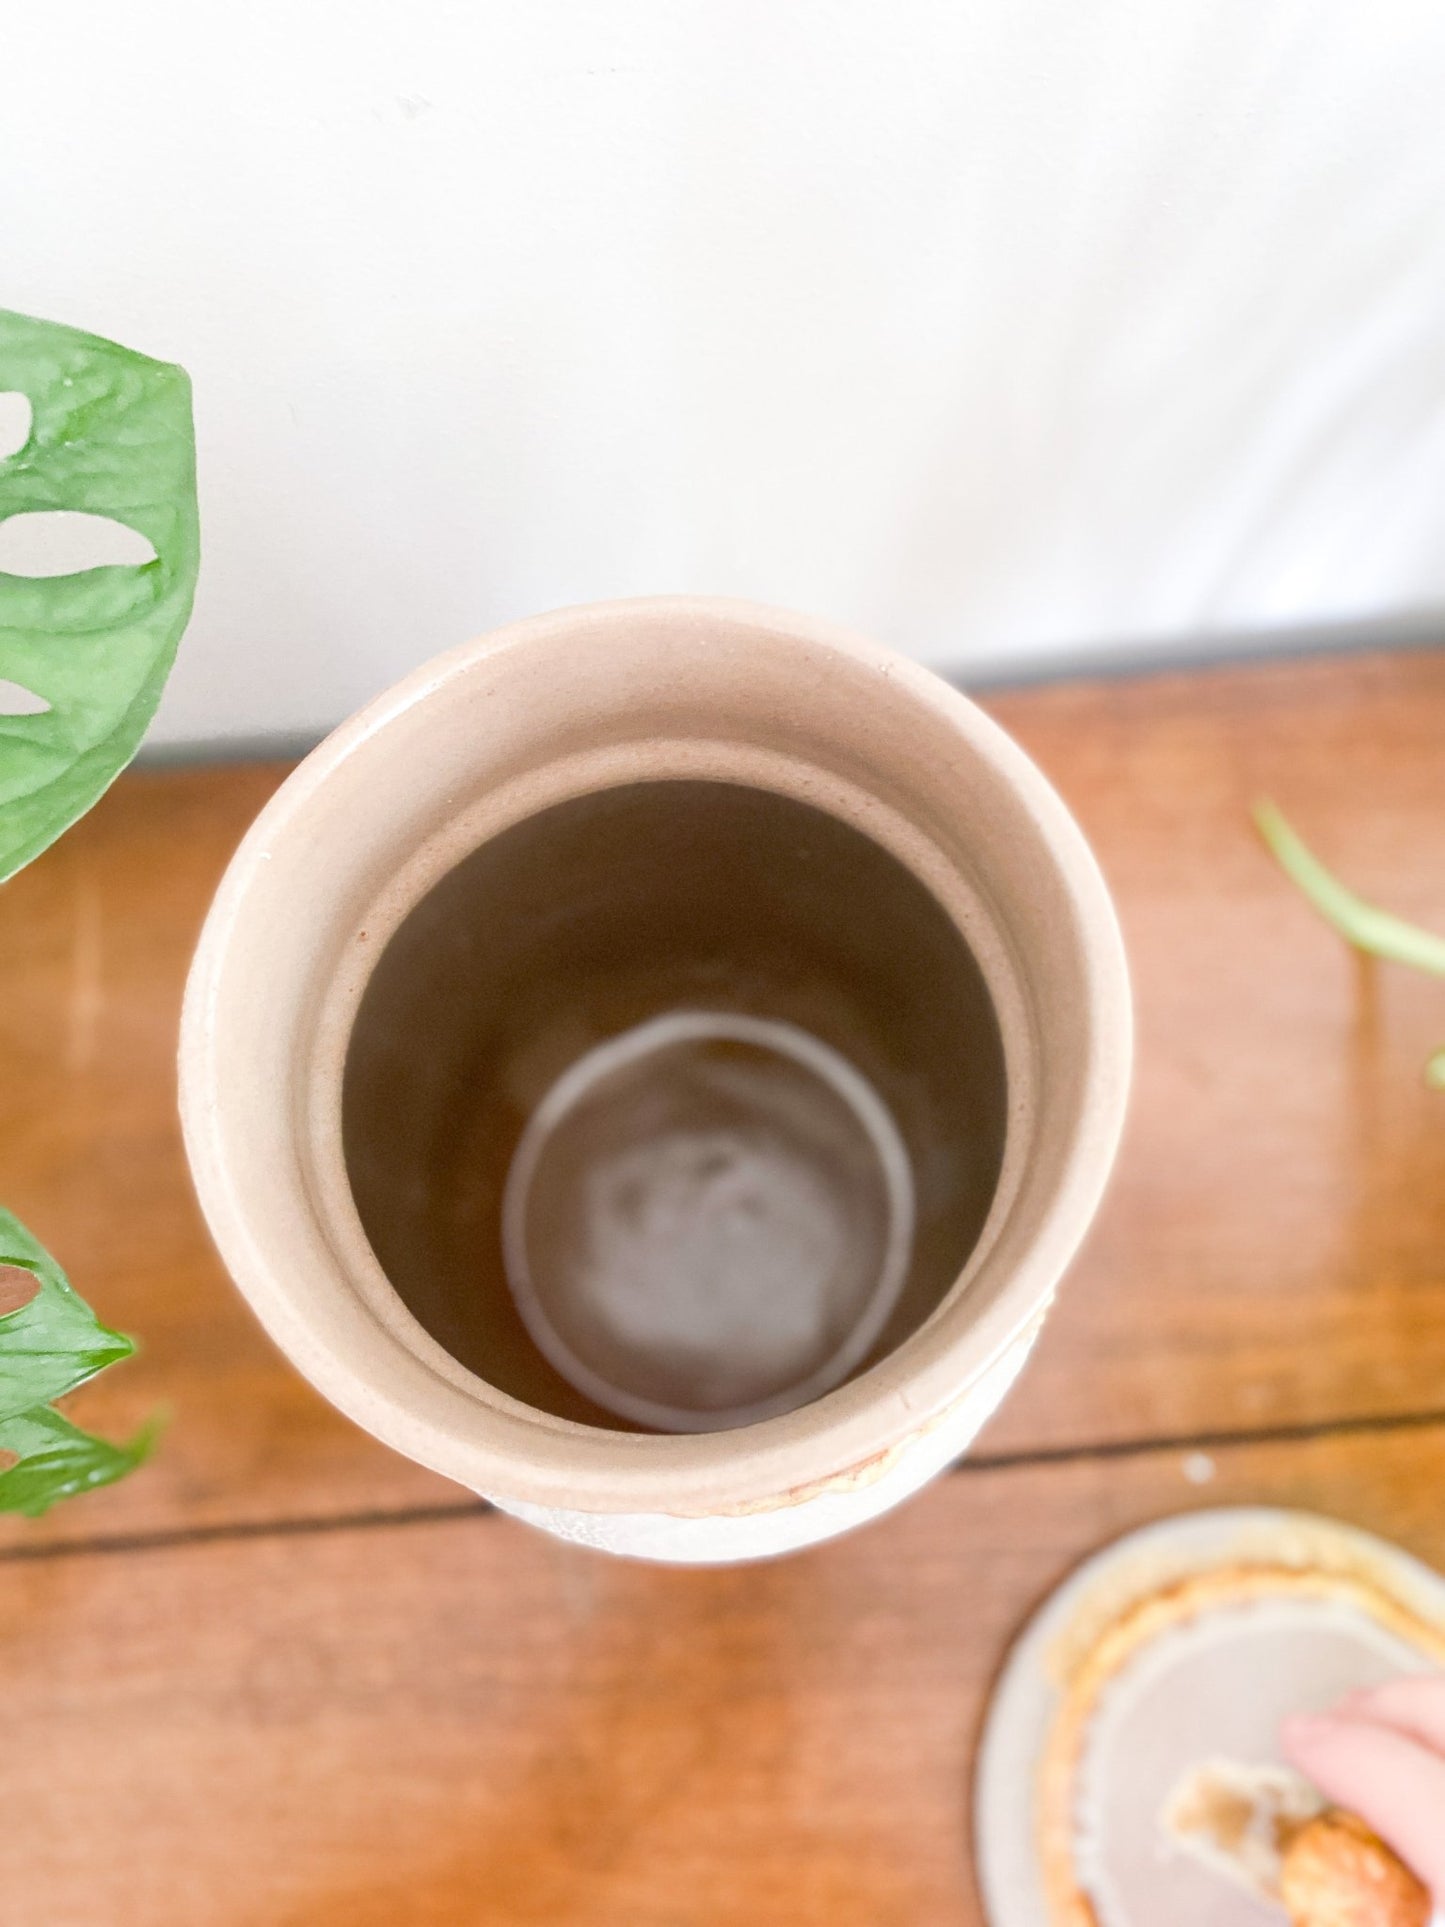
point(1381, 1754)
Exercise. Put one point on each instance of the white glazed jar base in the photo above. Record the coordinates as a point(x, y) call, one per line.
point(667, 1539)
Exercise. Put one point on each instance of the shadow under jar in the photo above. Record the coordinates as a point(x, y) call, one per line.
point(674, 1106)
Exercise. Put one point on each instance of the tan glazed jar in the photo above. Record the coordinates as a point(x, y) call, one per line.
point(654, 1065)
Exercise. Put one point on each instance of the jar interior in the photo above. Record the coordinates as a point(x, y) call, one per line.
point(673, 1106)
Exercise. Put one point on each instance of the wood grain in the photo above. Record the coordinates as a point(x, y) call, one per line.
point(1273, 1250)
point(459, 1723)
point(283, 1678)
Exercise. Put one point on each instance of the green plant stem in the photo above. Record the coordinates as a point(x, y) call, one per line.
point(1375, 931)
point(1358, 922)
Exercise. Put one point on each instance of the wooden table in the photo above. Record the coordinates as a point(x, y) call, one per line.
point(285, 1679)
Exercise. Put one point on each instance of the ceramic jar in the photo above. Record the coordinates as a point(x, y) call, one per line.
point(685, 813)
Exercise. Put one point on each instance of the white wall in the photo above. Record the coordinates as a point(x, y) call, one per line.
point(1001, 328)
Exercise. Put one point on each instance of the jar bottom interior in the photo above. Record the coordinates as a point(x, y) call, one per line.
point(674, 1106)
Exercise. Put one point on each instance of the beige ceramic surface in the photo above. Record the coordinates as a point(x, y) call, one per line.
point(557, 708)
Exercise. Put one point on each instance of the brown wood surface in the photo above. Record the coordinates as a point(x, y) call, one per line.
point(460, 1724)
point(282, 1676)
point(1272, 1251)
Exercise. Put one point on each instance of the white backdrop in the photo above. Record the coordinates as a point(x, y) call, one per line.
point(1005, 329)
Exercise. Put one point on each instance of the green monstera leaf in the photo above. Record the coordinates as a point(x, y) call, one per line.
point(50, 1339)
point(50, 1342)
point(107, 439)
point(96, 442)
point(56, 1460)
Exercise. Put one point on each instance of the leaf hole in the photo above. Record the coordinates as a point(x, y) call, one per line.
point(17, 700)
point(17, 1287)
point(17, 419)
point(47, 542)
